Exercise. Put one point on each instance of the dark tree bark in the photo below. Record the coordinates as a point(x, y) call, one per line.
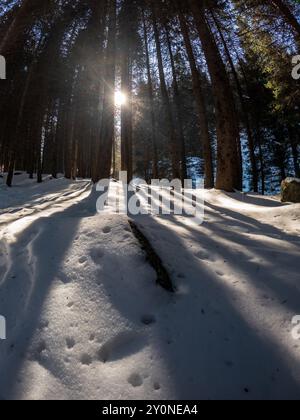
point(126, 88)
point(228, 168)
point(251, 145)
point(104, 160)
point(155, 172)
point(14, 145)
point(200, 103)
point(178, 106)
point(174, 143)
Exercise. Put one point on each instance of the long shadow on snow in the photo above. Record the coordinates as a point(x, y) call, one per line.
point(46, 259)
point(242, 362)
point(272, 254)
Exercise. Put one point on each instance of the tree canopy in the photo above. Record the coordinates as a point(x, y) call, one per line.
point(207, 90)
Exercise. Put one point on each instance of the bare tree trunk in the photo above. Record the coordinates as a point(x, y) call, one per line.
point(174, 144)
point(201, 108)
point(99, 23)
point(227, 170)
point(16, 26)
point(251, 145)
point(155, 172)
point(178, 106)
point(262, 162)
point(295, 153)
point(13, 150)
point(104, 160)
point(126, 116)
point(294, 142)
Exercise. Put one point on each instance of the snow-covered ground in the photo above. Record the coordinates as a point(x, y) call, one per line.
point(85, 319)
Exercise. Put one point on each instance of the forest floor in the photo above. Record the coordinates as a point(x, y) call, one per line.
point(85, 319)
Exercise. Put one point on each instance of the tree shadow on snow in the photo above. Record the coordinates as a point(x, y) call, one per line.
point(37, 256)
point(217, 351)
point(207, 346)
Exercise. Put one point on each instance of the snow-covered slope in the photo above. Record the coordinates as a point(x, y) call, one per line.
point(86, 320)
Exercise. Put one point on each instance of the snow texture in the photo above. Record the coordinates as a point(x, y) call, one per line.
point(85, 319)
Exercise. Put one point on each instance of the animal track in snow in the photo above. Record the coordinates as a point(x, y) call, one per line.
point(135, 380)
point(63, 278)
point(82, 260)
point(202, 255)
point(121, 346)
point(86, 359)
point(156, 386)
point(106, 229)
point(148, 319)
point(220, 273)
point(97, 254)
point(39, 350)
point(70, 343)
point(41, 347)
point(44, 325)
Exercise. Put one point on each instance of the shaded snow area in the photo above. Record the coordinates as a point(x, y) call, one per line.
point(85, 319)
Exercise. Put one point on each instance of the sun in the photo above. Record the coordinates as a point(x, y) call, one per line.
point(120, 98)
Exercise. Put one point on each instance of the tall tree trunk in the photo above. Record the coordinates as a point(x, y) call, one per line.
point(251, 145)
point(200, 103)
point(294, 142)
point(295, 153)
point(262, 162)
point(21, 19)
point(13, 149)
point(227, 168)
point(39, 170)
point(174, 144)
point(155, 173)
point(98, 34)
point(108, 120)
point(178, 106)
point(69, 138)
point(126, 115)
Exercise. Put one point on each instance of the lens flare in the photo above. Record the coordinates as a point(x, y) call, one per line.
point(120, 98)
